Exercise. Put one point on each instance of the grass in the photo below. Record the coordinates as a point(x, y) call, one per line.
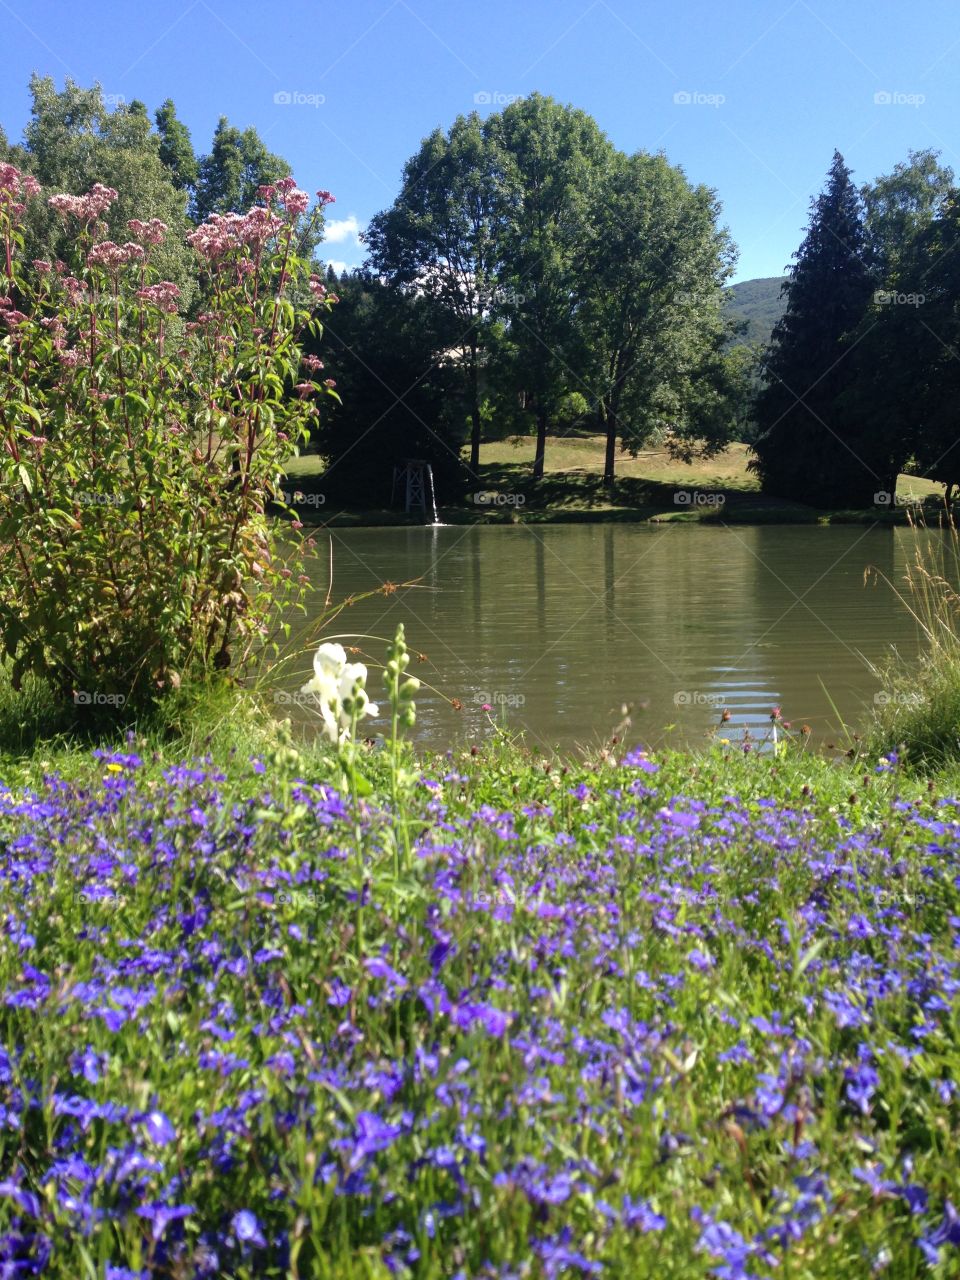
point(572, 490)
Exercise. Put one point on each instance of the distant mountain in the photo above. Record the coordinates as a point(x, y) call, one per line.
point(758, 302)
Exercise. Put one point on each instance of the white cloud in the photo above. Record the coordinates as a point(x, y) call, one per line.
point(339, 267)
point(342, 230)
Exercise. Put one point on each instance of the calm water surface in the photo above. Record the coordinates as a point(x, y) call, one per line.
point(558, 627)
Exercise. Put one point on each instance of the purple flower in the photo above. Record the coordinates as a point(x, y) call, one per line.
point(638, 1214)
point(247, 1229)
point(373, 1135)
point(494, 1021)
point(948, 1232)
point(159, 1129)
point(378, 968)
point(862, 1082)
point(161, 1215)
point(638, 759)
point(339, 994)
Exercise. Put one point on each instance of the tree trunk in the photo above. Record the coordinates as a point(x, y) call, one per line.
point(610, 421)
point(540, 455)
point(475, 416)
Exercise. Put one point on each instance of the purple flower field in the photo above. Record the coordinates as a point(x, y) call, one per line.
point(611, 1021)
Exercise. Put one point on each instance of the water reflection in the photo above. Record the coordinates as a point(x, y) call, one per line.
point(557, 627)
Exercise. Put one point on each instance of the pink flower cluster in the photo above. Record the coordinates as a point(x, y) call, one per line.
point(312, 363)
point(317, 287)
point(14, 184)
point(112, 256)
point(75, 289)
point(291, 197)
point(164, 295)
point(223, 232)
point(87, 208)
point(151, 232)
point(9, 314)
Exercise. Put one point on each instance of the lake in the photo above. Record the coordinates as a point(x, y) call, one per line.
point(557, 628)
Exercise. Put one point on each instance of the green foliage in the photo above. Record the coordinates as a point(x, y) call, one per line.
point(400, 385)
point(237, 165)
point(556, 160)
point(582, 285)
point(655, 317)
point(442, 236)
point(808, 448)
point(139, 453)
point(906, 374)
point(176, 149)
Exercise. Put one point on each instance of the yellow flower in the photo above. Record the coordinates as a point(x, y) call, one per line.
point(114, 768)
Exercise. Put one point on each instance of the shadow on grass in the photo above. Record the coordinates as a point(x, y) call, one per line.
point(35, 719)
point(579, 496)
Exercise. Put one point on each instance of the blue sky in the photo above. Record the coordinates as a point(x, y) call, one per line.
point(749, 96)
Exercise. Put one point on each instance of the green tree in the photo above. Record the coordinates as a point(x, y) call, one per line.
point(897, 209)
point(655, 312)
point(441, 237)
point(556, 161)
point(811, 445)
point(903, 353)
point(238, 163)
point(399, 388)
point(176, 147)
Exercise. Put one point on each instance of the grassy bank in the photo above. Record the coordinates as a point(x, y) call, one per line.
point(690, 1015)
point(651, 486)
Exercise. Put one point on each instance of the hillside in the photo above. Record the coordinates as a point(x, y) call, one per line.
point(758, 302)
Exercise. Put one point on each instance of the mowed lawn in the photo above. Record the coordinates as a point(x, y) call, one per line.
point(728, 470)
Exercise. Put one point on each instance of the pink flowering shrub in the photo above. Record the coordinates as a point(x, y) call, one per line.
point(138, 451)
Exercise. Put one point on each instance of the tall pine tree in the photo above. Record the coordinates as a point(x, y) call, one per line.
point(811, 447)
point(176, 149)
